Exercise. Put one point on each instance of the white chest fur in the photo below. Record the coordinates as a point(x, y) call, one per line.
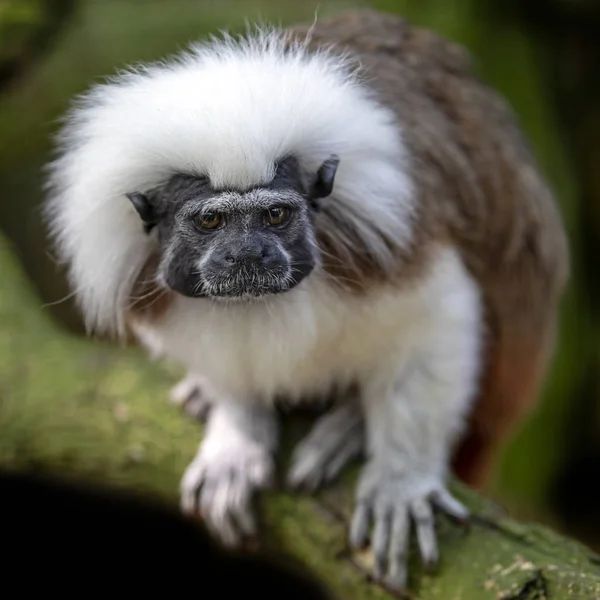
point(315, 336)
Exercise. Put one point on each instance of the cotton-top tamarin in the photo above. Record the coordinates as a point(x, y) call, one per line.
point(341, 207)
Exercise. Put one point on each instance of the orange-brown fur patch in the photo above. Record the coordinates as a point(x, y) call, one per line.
point(509, 391)
point(148, 301)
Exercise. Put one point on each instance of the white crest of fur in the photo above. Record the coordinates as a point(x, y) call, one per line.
point(229, 108)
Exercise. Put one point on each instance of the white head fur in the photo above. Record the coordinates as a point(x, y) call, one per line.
point(228, 109)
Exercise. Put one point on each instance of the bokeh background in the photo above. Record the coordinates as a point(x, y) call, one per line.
point(543, 56)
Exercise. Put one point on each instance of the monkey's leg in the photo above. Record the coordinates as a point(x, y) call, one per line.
point(336, 438)
point(415, 408)
point(234, 461)
point(192, 395)
point(410, 423)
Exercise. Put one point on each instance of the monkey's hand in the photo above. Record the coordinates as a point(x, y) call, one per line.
point(234, 461)
point(192, 395)
point(336, 438)
point(389, 500)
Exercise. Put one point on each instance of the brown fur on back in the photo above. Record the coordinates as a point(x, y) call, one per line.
point(480, 188)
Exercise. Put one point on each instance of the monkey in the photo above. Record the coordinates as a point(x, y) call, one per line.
point(115, 538)
point(342, 205)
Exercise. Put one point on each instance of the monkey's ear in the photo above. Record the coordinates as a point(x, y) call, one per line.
point(145, 209)
point(323, 183)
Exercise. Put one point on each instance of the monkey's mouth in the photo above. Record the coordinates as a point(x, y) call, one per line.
point(246, 286)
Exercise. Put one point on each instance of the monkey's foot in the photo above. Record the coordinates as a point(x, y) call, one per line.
point(220, 485)
point(190, 394)
point(388, 502)
point(336, 438)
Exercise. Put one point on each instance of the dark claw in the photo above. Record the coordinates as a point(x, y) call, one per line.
point(430, 566)
point(359, 530)
point(400, 590)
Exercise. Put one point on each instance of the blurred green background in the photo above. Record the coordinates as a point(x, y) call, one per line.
point(542, 56)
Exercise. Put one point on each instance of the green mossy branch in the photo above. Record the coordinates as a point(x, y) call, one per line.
point(92, 410)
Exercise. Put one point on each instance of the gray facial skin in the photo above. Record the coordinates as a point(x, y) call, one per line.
point(228, 244)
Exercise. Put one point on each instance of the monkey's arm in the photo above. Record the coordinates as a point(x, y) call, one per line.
point(63, 407)
point(234, 461)
point(415, 406)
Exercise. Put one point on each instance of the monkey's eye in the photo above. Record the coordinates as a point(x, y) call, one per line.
point(276, 216)
point(211, 220)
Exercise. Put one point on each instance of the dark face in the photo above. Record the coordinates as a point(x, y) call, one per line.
point(236, 245)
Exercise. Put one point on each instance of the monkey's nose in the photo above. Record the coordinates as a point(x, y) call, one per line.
point(256, 254)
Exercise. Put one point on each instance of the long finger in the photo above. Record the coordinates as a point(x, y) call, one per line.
point(449, 505)
point(381, 540)
point(352, 449)
point(398, 555)
point(359, 529)
point(426, 535)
